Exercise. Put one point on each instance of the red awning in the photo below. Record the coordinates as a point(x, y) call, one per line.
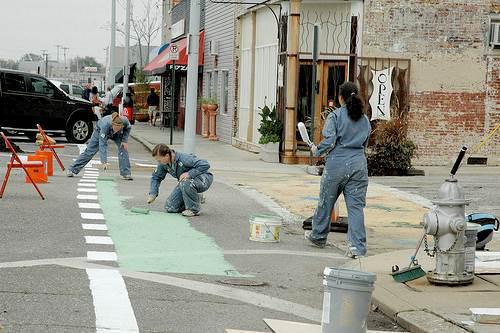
point(161, 62)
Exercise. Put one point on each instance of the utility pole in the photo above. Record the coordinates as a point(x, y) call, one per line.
point(126, 67)
point(192, 77)
point(46, 59)
point(112, 73)
point(58, 47)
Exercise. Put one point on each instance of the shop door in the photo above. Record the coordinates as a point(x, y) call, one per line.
point(332, 75)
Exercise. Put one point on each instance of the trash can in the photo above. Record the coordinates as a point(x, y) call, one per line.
point(470, 247)
point(346, 300)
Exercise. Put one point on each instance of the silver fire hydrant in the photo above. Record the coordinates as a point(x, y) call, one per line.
point(446, 222)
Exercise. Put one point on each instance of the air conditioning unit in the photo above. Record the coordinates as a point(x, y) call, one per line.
point(214, 48)
point(495, 34)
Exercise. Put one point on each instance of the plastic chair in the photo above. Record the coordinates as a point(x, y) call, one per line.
point(17, 163)
point(47, 144)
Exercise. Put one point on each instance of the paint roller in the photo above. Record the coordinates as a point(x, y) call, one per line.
point(303, 134)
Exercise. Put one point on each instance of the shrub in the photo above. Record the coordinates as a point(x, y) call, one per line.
point(270, 126)
point(208, 100)
point(391, 152)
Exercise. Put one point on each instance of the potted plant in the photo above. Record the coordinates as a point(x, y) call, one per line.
point(209, 108)
point(270, 131)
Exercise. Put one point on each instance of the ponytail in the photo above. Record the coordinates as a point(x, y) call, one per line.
point(354, 104)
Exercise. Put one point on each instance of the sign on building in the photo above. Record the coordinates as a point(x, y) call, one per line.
point(177, 29)
point(90, 69)
point(380, 100)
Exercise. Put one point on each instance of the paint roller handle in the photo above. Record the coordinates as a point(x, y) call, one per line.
point(458, 161)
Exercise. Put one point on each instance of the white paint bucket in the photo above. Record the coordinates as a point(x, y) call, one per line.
point(265, 228)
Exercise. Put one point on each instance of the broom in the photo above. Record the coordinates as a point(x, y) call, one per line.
point(410, 273)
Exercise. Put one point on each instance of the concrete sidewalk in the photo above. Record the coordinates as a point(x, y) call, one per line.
point(392, 220)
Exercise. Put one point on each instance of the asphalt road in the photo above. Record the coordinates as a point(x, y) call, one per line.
point(172, 267)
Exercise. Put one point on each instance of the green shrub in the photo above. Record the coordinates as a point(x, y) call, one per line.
point(270, 126)
point(391, 152)
point(208, 100)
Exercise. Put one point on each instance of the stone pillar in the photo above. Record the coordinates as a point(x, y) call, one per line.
point(292, 83)
point(204, 132)
point(212, 128)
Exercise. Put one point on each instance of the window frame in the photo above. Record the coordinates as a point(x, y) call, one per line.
point(17, 75)
point(225, 92)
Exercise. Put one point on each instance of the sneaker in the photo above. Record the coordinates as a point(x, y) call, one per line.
point(127, 177)
point(313, 242)
point(202, 198)
point(352, 252)
point(190, 213)
point(70, 174)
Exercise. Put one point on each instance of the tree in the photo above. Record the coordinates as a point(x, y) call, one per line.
point(84, 62)
point(145, 28)
point(9, 64)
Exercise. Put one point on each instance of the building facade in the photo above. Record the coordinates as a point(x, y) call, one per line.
point(441, 57)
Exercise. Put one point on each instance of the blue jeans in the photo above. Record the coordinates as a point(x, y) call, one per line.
point(93, 148)
point(348, 176)
point(185, 194)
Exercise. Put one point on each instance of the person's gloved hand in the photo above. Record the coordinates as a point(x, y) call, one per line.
point(314, 150)
point(151, 198)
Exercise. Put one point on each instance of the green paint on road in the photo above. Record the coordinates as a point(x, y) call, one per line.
point(159, 242)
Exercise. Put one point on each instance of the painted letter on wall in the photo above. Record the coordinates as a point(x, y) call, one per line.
point(380, 101)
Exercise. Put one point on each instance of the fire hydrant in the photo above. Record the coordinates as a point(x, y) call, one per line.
point(446, 222)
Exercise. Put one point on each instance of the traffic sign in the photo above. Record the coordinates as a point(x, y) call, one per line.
point(174, 52)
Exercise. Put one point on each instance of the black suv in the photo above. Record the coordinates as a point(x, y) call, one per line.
point(29, 99)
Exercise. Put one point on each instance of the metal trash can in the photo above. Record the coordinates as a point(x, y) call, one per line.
point(346, 300)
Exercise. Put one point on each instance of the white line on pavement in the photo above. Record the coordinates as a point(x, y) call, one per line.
point(101, 226)
point(86, 185)
point(89, 205)
point(86, 197)
point(92, 216)
point(91, 169)
point(101, 256)
point(101, 240)
point(86, 173)
point(87, 190)
point(88, 180)
point(113, 311)
point(90, 177)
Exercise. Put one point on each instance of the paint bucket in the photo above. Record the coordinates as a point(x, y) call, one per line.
point(470, 247)
point(265, 228)
point(346, 300)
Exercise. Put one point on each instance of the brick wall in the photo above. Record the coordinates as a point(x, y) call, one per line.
point(454, 86)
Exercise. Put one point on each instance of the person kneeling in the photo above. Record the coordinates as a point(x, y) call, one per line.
point(192, 174)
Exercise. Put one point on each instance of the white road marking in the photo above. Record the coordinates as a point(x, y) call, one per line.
point(82, 147)
point(86, 185)
point(101, 226)
point(87, 173)
point(91, 169)
point(89, 205)
point(90, 177)
point(86, 197)
point(101, 256)
point(102, 240)
point(92, 216)
point(113, 311)
point(87, 190)
point(88, 180)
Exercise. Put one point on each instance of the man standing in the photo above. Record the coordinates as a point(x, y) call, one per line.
point(153, 104)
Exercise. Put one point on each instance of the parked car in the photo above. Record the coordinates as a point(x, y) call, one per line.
point(69, 88)
point(29, 99)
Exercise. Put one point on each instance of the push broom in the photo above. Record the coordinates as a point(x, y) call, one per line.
point(410, 273)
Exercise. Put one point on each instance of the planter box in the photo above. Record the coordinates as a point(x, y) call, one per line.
point(270, 152)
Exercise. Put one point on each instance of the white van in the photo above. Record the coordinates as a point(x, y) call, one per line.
point(69, 88)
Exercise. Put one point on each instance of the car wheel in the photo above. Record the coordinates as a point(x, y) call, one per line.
point(79, 130)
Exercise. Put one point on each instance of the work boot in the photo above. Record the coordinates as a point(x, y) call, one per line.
point(352, 252)
point(70, 173)
point(127, 177)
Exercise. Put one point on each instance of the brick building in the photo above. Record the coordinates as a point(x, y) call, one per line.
point(455, 70)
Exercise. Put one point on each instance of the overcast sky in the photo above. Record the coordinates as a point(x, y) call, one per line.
point(29, 26)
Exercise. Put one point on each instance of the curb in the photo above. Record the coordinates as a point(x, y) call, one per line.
point(148, 145)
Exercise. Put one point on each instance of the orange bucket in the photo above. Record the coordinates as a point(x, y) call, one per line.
point(38, 174)
point(50, 160)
